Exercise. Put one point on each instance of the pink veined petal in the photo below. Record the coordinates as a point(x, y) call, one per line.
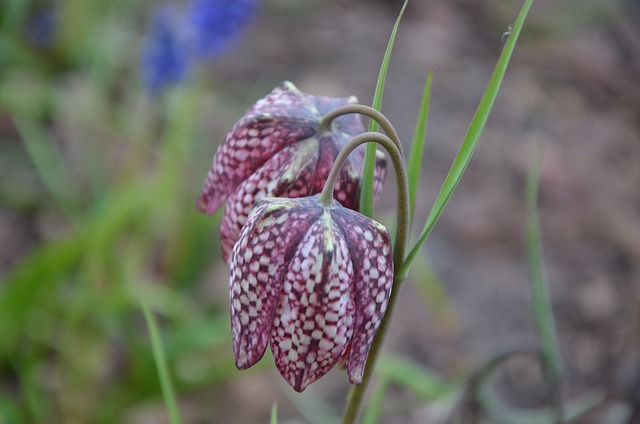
point(258, 263)
point(288, 173)
point(370, 252)
point(313, 324)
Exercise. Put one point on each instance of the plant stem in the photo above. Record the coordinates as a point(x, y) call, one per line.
point(369, 112)
point(402, 233)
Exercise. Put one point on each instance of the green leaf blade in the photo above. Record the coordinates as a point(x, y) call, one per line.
point(470, 142)
point(540, 298)
point(274, 413)
point(159, 357)
point(366, 193)
point(414, 164)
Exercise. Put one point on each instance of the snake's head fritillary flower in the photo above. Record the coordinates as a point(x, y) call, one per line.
point(313, 282)
point(280, 149)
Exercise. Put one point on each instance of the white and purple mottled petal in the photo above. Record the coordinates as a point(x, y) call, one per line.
point(258, 263)
point(283, 118)
point(287, 174)
point(370, 252)
point(311, 280)
point(313, 324)
point(251, 142)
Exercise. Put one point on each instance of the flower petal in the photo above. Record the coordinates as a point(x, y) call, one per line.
point(286, 100)
point(313, 324)
point(258, 263)
point(251, 142)
point(282, 118)
point(272, 123)
point(295, 171)
point(289, 173)
point(370, 252)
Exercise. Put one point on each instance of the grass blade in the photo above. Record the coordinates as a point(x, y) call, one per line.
point(502, 413)
point(161, 364)
point(366, 193)
point(414, 164)
point(414, 376)
point(48, 162)
point(471, 139)
point(540, 299)
point(274, 413)
point(372, 413)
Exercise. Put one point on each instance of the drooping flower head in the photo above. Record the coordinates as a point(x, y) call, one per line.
point(165, 58)
point(278, 149)
point(313, 281)
point(216, 24)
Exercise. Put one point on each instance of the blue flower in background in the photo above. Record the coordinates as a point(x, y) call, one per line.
point(40, 27)
point(217, 23)
point(203, 31)
point(165, 56)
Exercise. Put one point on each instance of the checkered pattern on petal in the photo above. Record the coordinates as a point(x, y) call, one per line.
point(314, 282)
point(288, 173)
point(283, 118)
point(313, 324)
point(251, 142)
point(258, 263)
point(370, 252)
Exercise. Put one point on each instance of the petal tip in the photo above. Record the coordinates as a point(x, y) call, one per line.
point(207, 203)
point(355, 373)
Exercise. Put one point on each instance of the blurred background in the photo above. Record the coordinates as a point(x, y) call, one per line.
point(110, 113)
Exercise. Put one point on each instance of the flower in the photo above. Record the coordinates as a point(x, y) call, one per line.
point(278, 149)
point(313, 281)
point(40, 26)
point(165, 58)
point(217, 23)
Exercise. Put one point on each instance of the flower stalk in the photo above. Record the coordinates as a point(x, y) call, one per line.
point(369, 112)
point(402, 233)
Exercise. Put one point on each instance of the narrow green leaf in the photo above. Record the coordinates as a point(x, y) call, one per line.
point(35, 280)
point(502, 413)
point(371, 414)
point(471, 139)
point(540, 299)
point(161, 364)
point(48, 162)
point(430, 289)
point(274, 413)
point(366, 193)
point(479, 392)
point(413, 376)
point(414, 164)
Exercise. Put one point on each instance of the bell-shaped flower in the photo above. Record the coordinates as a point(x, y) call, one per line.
point(281, 148)
point(312, 281)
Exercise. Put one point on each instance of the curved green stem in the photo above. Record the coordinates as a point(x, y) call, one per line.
point(402, 234)
point(369, 112)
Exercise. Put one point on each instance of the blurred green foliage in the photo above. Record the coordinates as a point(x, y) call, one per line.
point(109, 171)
